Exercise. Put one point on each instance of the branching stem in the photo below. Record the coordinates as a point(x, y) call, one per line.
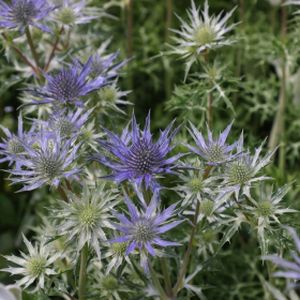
point(54, 48)
point(32, 46)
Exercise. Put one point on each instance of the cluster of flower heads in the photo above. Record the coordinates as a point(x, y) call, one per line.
point(49, 156)
point(23, 13)
point(20, 14)
point(46, 154)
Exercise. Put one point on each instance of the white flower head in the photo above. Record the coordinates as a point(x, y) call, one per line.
point(83, 218)
point(194, 185)
point(74, 12)
point(207, 241)
point(116, 255)
point(34, 267)
point(242, 172)
point(106, 284)
point(111, 97)
point(268, 207)
point(200, 33)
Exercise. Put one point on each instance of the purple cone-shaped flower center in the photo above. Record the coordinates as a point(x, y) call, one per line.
point(65, 87)
point(24, 11)
point(64, 126)
point(142, 158)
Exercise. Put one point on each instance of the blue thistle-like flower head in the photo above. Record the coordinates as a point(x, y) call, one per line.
point(214, 151)
point(67, 123)
point(22, 13)
point(69, 85)
point(12, 147)
point(136, 157)
point(104, 65)
point(47, 161)
point(144, 227)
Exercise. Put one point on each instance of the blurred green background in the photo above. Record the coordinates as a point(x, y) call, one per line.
point(140, 29)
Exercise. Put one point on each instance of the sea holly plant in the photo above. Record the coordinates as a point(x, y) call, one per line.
point(201, 33)
point(124, 206)
point(136, 157)
point(200, 36)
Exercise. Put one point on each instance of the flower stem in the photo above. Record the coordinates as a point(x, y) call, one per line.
point(54, 48)
point(82, 273)
point(209, 111)
point(188, 252)
point(187, 255)
point(32, 47)
point(21, 55)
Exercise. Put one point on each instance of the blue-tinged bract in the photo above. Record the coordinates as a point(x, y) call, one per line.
point(105, 65)
point(69, 85)
point(68, 123)
point(136, 157)
point(144, 227)
point(48, 160)
point(213, 151)
point(12, 147)
point(84, 218)
point(22, 13)
point(35, 266)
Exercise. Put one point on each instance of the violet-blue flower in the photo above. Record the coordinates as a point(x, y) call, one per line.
point(69, 85)
point(22, 13)
point(12, 147)
point(105, 64)
point(137, 158)
point(144, 227)
point(67, 123)
point(47, 161)
point(214, 151)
